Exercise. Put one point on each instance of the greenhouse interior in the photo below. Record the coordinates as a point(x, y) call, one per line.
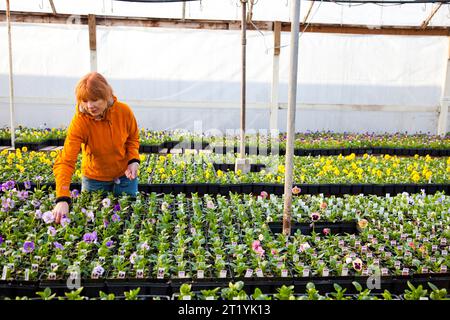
point(224, 150)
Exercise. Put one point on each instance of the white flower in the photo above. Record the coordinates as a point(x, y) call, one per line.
point(348, 260)
point(48, 217)
point(164, 206)
point(90, 215)
point(260, 237)
point(106, 202)
point(133, 258)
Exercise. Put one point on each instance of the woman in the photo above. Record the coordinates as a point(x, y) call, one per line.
point(106, 131)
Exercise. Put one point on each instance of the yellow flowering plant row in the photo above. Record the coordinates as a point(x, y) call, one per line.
point(22, 165)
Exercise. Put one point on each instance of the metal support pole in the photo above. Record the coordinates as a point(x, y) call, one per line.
point(92, 41)
point(292, 97)
point(445, 99)
point(243, 77)
point(11, 84)
point(275, 77)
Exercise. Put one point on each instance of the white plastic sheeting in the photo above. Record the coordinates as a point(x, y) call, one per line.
point(157, 71)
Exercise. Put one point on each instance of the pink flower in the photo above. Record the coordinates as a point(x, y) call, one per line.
point(274, 252)
point(256, 244)
point(264, 194)
point(323, 205)
point(326, 231)
point(260, 251)
point(210, 205)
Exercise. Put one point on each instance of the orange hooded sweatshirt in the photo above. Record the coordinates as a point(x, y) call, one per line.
point(108, 146)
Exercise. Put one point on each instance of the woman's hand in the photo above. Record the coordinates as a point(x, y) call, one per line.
point(61, 209)
point(132, 171)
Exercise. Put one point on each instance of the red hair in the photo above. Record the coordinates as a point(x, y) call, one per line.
point(93, 86)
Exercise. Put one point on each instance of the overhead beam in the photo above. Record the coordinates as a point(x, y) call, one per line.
point(431, 15)
point(35, 17)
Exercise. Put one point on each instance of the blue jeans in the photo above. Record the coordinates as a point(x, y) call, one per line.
point(126, 185)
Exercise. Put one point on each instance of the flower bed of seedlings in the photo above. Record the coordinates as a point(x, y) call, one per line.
point(159, 242)
point(187, 169)
point(310, 143)
point(235, 291)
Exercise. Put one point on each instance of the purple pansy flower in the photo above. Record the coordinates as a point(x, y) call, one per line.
point(58, 245)
point(65, 221)
point(48, 217)
point(1, 240)
point(133, 258)
point(90, 237)
point(105, 223)
point(51, 231)
point(109, 243)
point(36, 203)
point(28, 246)
point(27, 184)
point(75, 193)
point(116, 208)
point(115, 217)
point(98, 270)
point(38, 214)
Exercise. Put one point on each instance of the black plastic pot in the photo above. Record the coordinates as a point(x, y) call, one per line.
point(306, 228)
point(31, 146)
point(247, 188)
point(378, 189)
point(346, 189)
point(335, 189)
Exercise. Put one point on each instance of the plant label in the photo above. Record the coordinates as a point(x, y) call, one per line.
point(376, 262)
point(27, 274)
point(424, 298)
point(443, 241)
point(365, 273)
point(200, 274)
point(403, 236)
point(409, 240)
point(399, 248)
point(363, 249)
point(408, 254)
point(352, 236)
point(424, 270)
point(397, 264)
point(381, 248)
point(140, 274)
point(193, 231)
point(280, 265)
point(386, 237)
point(219, 257)
point(121, 275)
point(341, 243)
point(248, 273)
point(284, 273)
point(374, 241)
point(52, 276)
point(5, 272)
point(357, 243)
point(54, 265)
point(306, 272)
point(325, 273)
point(187, 297)
point(181, 274)
point(259, 273)
point(384, 272)
point(73, 275)
point(369, 236)
point(444, 253)
point(434, 247)
point(405, 272)
point(209, 298)
point(388, 254)
point(369, 255)
point(59, 257)
point(344, 272)
point(160, 273)
point(295, 257)
point(433, 259)
point(223, 274)
point(393, 243)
